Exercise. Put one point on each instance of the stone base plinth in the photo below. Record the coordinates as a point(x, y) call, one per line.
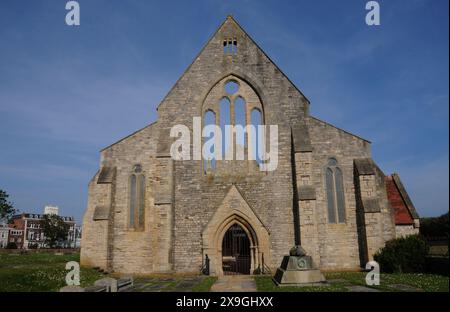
point(312, 277)
point(298, 271)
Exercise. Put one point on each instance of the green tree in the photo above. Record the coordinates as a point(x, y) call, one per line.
point(6, 207)
point(11, 245)
point(435, 227)
point(54, 229)
point(403, 255)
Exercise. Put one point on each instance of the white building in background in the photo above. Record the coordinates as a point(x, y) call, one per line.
point(77, 238)
point(51, 210)
point(4, 233)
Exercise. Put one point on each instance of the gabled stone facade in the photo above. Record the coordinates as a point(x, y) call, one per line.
point(186, 208)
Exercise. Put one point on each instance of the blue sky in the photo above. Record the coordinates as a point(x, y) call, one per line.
point(66, 92)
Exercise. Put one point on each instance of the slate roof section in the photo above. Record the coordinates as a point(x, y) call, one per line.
point(404, 210)
point(405, 196)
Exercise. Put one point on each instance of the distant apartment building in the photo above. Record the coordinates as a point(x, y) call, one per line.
point(4, 234)
point(51, 210)
point(77, 243)
point(26, 231)
point(15, 236)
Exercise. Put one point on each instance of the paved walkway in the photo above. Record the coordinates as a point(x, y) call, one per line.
point(238, 283)
point(157, 284)
point(358, 288)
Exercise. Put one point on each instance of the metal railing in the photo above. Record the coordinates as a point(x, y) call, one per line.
point(205, 268)
point(262, 268)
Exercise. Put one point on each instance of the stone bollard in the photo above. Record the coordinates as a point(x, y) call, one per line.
point(109, 282)
point(72, 289)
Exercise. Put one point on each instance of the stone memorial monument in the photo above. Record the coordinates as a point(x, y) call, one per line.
point(298, 269)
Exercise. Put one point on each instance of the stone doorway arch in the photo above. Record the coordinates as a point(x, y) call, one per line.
point(235, 210)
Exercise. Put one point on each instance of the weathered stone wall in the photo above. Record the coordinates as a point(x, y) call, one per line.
point(375, 215)
point(94, 243)
point(133, 251)
point(387, 212)
point(337, 243)
point(136, 250)
point(307, 205)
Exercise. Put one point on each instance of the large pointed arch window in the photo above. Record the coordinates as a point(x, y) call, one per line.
point(236, 106)
point(137, 198)
point(335, 192)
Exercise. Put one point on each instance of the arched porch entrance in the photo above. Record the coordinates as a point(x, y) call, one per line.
point(234, 229)
point(235, 247)
point(236, 257)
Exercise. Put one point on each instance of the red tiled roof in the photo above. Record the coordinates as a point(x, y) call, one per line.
point(402, 213)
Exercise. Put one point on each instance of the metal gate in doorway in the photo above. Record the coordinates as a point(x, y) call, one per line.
point(236, 251)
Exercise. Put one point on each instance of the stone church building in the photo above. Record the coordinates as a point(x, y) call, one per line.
point(149, 213)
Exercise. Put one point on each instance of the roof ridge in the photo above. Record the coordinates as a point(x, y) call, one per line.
point(230, 17)
point(130, 135)
point(195, 58)
point(405, 196)
point(268, 57)
point(348, 132)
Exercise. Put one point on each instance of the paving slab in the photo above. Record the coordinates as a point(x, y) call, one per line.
point(357, 288)
point(238, 283)
point(404, 287)
point(181, 284)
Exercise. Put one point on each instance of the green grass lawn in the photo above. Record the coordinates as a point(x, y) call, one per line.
point(46, 272)
point(341, 281)
point(205, 285)
point(39, 272)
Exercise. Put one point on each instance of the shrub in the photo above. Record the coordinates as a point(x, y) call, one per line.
point(404, 255)
point(11, 245)
point(33, 246)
